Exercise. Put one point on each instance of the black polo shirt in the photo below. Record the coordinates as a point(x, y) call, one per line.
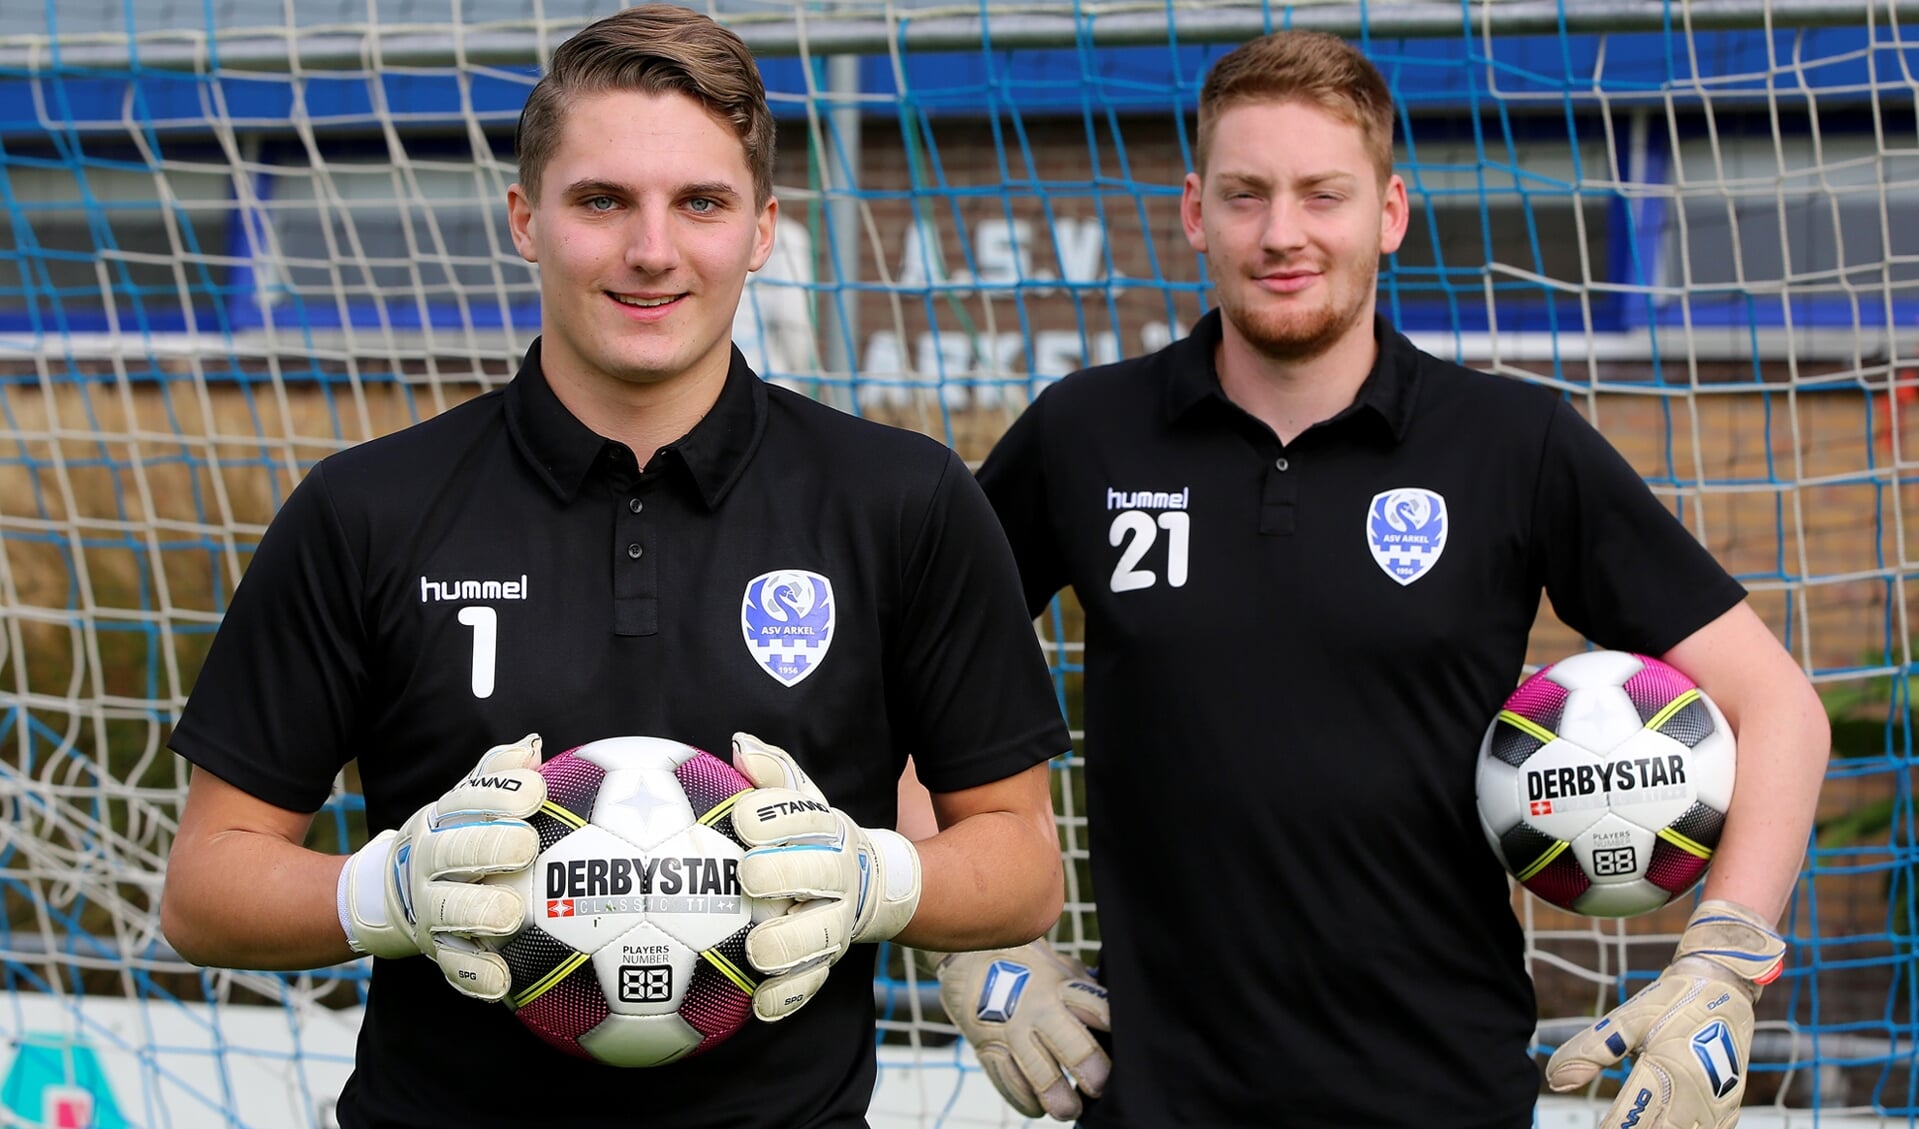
point(1292, 652)
point(501, 569)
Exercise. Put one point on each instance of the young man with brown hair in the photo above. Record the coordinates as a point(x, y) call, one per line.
point(1301, 922)
point(581, 555)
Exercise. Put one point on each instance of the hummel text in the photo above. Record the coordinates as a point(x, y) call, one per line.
point(1147, 499)
point(434, 590)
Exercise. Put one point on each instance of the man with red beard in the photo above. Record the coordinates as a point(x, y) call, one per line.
point(1310, 556)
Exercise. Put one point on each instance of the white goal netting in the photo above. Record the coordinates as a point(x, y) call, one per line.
point(237, 235)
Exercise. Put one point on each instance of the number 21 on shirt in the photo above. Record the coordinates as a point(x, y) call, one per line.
point(1135, 533)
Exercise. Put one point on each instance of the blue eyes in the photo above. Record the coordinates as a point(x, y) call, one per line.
point(698, 205)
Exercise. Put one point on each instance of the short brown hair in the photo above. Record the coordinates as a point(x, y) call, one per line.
point(1301, 66)
point(655, 49)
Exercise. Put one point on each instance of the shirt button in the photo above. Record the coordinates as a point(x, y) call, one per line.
point(1280, 464)
point(635, 505)
point(634, 550)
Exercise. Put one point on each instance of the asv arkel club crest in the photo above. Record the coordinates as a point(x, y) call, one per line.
point(1406, 530)
point(787, 619)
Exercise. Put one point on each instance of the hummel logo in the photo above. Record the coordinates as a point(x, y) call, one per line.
point(1148, 499)
point(434, 590)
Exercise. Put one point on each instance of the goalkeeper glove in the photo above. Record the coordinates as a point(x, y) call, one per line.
point(416, 890)
point(847, 883)
point(1690, 1029)
point(1030, 1014)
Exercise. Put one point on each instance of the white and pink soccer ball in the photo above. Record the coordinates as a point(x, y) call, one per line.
point(1603, 783)
point(633, 948)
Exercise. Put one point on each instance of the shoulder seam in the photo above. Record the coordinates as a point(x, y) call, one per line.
point(926, 519)
point(318, 475)
point(1539, 473)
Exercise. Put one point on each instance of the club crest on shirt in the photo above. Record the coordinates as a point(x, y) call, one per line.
point(1406, 530)
point(787, 621)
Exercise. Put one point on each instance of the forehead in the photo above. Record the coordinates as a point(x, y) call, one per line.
point(636, 137)
point(1286, 139)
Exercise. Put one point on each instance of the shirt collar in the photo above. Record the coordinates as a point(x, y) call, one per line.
point(1387, 394)
point(718, 448)
point(563, 451)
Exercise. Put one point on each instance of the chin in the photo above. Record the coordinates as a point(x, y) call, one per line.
point(1289, 338)
point(638, 370)
point(656, 367)
point(1295, 335)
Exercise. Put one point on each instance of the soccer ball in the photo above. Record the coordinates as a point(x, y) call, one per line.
point(633, 949)
point(1604, 782)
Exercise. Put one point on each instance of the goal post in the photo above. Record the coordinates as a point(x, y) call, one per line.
point(235, 238)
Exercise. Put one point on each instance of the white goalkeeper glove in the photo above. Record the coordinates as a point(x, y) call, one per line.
point(1689, 1031)
point(416, 890)
point(847, 883)
point(1030, 1014)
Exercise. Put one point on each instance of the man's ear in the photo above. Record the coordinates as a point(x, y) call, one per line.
point(767, 225)
point(1394, 214)
point(1189, 212)
point(520, 221)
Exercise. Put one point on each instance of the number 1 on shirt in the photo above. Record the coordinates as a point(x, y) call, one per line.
point(485, 623)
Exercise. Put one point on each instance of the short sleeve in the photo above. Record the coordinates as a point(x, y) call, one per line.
point(970, 692)
point(1619, 567)
point(1014, 479)
point(273, 709)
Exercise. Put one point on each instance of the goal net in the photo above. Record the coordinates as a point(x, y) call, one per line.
point(238, 236)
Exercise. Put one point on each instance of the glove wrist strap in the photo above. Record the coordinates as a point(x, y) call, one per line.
point(1031, 950)
point(899, 898)
point(342, 892)
point(1733, 939)
point(360, 900)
